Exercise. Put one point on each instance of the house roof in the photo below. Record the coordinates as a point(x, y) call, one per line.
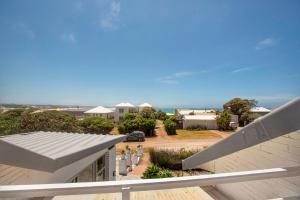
point(259, 109)
point(125, 105)
point(50, 151)
point(145, 105)
point(99, 110)
point(199, 117)
point(196, 112)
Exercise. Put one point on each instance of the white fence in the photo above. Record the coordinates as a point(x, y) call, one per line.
point(127, 186)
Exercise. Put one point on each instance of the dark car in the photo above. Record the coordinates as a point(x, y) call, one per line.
point(136, 136)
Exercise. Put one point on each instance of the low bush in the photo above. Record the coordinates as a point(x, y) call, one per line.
point(169, 159)
point(223, 121)
point(197, 128)
point(97, 125)
point(161, 115)
point(136, 123)
point(153, 171)
point(170, 127)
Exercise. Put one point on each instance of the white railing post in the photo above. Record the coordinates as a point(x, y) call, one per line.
point(126, 193)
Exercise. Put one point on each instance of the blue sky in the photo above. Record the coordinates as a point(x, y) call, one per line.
point(168, 53)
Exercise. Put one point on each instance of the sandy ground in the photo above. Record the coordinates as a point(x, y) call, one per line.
point(162, 140)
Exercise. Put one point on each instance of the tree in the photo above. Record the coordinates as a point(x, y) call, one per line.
point(147, 113)
point(10, 122)
point(170, 127)
point(161, 115)
point(49, 121)
point(97, 125)
point(137, 123)
point(238, 106)
point(223, 121)
point(25, 120)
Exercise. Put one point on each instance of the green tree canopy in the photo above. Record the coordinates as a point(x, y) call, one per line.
point(147, 113)
point(161, 115)
point(131, 122)
point(223, 121)
point(24, 120)
point(97, 125)
point(240, 107)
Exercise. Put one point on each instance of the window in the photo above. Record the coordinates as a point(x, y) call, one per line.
point(100, 169)
point(121, 110)
point(86, 175)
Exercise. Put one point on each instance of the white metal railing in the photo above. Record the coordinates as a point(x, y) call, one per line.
point(127, 186)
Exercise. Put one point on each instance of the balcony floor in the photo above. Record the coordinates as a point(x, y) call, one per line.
point(191, 193)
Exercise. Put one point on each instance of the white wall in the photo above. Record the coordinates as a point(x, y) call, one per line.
point(210, 124)
point(110, 164)
point(126, 110)
point(280, 152)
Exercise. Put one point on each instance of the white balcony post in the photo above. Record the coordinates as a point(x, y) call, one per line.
point(126, 193)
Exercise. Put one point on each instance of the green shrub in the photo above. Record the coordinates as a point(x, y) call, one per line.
point(223, 121)
point(136, 123)
point(172, 118)
point(197, 128)
point(147, 113)
point(170, 127)
point(153, 171)
point(97, 125)
point(25, 120)
point(169, 159)
point(161, 115)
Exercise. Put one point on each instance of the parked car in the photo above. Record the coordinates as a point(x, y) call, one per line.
point(233, 125)
point(136, 136)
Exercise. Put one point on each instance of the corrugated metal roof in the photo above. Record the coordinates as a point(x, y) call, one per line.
point(49, 151)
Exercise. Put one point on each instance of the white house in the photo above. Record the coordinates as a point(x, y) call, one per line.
point(144, 105)
point(259, 111)
point(122, 109)
point(101, 111)
point(182, 111)
point(208, 121)
point(55, 157)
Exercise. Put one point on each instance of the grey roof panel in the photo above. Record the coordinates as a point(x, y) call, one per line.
point(281, 121)
point(49, 151)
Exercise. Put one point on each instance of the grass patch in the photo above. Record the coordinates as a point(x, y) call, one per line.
point(192, 134)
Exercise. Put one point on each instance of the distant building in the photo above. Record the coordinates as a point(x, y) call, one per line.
point(208, 121)
point(55, 157)
point(122, 109)
point(181, 112)
point(78, 113)
point(144, 105)
point(101, 111)
point(259, 111)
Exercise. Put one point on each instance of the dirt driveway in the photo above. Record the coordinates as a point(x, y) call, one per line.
point(163, 140)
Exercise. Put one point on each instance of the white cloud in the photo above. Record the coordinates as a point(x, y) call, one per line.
point(68, 37)
point(267, 42)
point(24, 29)
point(174, 78)
point(110, 20)
point(241, 69)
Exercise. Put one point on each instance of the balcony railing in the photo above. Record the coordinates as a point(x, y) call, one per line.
point(127, 186)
